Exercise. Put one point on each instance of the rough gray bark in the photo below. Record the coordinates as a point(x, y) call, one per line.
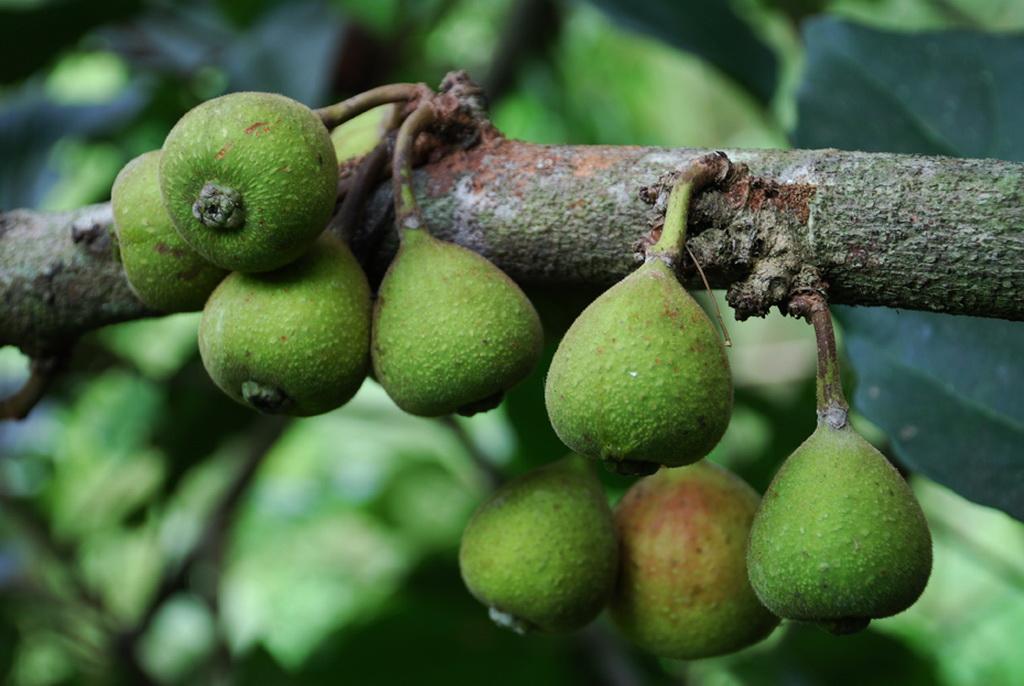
point(926, 233)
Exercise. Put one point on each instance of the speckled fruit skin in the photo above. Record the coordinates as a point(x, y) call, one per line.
point(541, 552)
point(271, 150)
point(162, 270)
point(683, 591)
point(839, 535)
point(641, 376)
point(451, 330)
point(301, 333)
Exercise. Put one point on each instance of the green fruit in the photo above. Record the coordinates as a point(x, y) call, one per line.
point(683, 591)
point(249, 179)
point(641, 378)
point(162, 270)
point(839, 538)
point(451, 331)
point(541, 552)
point(361, 134)
point(293, 341)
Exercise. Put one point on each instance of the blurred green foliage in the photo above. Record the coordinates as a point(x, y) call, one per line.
point(340, 565)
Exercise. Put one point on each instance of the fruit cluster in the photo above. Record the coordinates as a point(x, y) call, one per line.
point(692, 563)
point(229, 216)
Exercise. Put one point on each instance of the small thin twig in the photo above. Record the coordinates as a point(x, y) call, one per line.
point(832, 405)
point(221, 516)
point(339, 113)
point(606, 659)
point(407, 210)
point(366, 177)
point(39, 533)
point(41, 373)
point(489, 472)
point(726, 341)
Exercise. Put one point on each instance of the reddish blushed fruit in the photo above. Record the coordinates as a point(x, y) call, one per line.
point(683, 590)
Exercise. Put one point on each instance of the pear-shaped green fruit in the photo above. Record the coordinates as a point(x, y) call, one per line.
point(839, 538)
point(451, 331)
point(641, 378)
point(163, 271)
point(541, 552)
point(361, 134)
point(249, 179)
point(683, 591)
point(293, 341)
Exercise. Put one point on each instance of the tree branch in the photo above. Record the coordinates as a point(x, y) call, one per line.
point(41, 372)
point(926, 233)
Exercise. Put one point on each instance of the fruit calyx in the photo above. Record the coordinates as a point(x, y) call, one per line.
point(630, 467)
point(845, 626)
point(510, 621)
point(219, 207)
point(265, 398)
point(482, 405)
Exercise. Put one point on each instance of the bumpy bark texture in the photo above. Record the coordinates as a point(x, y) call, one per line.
point(60, 277)
point(925, 233)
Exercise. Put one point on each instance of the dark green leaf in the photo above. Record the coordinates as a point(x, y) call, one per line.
point(289, 49)
point(710, 30)
point(31, 124)
point(942, 93)
point(809, 655)
point(946, 389)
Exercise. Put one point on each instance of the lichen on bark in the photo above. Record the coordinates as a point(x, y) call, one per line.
point(927, 233)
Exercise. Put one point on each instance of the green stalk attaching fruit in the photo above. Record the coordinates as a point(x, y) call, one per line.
point(839, 538)
point(451, 332)
point(162, 270)
point(541, 551)
point(337, 114)
point(641, 378)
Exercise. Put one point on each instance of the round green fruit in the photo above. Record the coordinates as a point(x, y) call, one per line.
point(683, 591)
point(641, 378)
point(451, 331)
point(249, 180)
point(162, 270)
point(541, 552)
point(839, 538)
point(293, 341)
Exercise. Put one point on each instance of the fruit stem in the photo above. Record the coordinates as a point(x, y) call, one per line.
point(407, 211)
point(41, 373)
point(347, 218)
point(832, 406)
point(710, 168)
point(673, 231)
point(339, 113)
